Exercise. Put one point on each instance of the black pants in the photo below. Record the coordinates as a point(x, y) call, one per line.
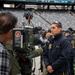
point(26, 67)
point(41, 66)
point(71, 65)
point(59, 73)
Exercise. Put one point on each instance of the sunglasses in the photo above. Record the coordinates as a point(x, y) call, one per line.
point(58, 23)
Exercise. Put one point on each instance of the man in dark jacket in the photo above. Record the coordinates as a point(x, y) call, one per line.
point(57, 54)
point(72, 41)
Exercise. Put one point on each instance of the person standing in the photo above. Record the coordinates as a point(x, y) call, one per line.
point(72, 41)
point(57, 55)
point(7, 23)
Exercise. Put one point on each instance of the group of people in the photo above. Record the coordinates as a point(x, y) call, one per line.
point(58, 53)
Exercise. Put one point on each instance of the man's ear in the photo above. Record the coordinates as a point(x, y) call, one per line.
point(10, 32)
point(60, 29)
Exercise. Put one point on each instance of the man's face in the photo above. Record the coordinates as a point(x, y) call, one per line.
point(9, 37)
point(66, 34)
point(55, 30)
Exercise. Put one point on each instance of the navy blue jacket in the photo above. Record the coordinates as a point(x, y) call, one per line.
point(72, 41)
point(70, 38)
point(57, 54)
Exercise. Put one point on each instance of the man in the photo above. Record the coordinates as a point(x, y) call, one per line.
point(7, 23)
point(57, 54)
point(72, 41)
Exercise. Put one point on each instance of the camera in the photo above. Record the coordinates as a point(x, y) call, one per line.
point(24, 45)
point(23, 41)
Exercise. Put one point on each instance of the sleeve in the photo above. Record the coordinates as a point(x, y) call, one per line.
point(45, 56)
point(64, 55)
point(4, 62)
point(35, 53)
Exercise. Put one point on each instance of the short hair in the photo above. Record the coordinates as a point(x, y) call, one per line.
point(59, 25)
point(7, 22)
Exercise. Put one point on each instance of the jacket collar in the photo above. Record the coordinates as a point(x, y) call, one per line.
point(57, 36)
point(69, 36)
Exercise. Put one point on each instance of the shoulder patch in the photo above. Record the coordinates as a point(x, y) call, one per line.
point(73, 43)
point(50, 46)
point(57, 47)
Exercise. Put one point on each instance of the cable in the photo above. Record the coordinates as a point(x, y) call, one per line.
point(71, 13)
point(18, 5)
point(37, 13)
point(56, 7)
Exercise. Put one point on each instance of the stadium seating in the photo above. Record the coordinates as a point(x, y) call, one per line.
point(65, 18)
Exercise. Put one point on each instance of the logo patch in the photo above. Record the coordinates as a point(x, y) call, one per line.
point(57, 47)
point(73, 43)
point(17, 33)
point(50, 46)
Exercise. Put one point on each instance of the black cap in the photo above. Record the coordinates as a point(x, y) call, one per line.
point(67, 31)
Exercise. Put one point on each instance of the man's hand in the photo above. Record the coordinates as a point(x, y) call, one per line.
point(49, 69)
